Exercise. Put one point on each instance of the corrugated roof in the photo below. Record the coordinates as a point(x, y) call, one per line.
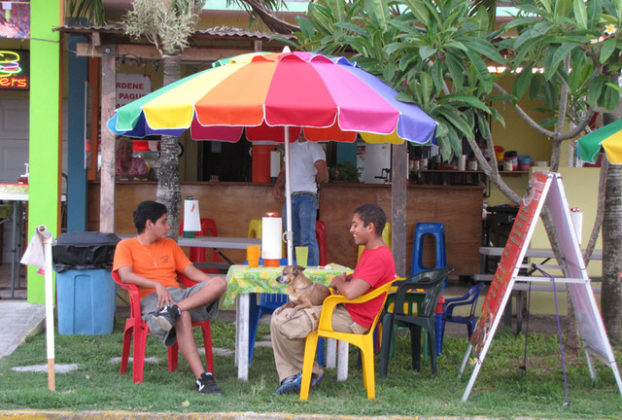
point(217, 32)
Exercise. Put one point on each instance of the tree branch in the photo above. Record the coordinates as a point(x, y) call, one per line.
point(524, 115)
point(563, 102)
point(492, 170)
point(270, 19)
point(580, 126)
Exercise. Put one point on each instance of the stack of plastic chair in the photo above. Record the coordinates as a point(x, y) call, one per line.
point(199, 254)
point(138, 329)
point(437, 230)
point(469, 299)
point(432, 283)
point(365, 342)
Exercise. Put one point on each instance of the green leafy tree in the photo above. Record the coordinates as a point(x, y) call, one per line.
point(578, 46)
point(433, 52)
point(436, 52)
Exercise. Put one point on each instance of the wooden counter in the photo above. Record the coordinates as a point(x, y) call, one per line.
point(232, 205)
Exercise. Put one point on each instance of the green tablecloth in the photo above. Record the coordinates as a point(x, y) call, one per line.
point(242, 279)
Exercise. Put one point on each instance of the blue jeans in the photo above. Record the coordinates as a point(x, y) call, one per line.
point(304, 215)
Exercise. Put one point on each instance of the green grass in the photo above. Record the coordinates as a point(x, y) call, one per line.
point(502, 389)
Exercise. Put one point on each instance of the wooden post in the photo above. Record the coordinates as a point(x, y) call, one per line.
point(399, 173)
point(109, 76)
point(76, 130)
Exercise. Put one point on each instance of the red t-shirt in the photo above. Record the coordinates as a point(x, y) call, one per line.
point(376, 267)
point(159, 261)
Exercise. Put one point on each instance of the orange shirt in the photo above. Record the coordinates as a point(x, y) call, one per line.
point(159, 261)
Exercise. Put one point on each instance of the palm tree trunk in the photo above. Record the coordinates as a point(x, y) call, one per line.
point(169, 190)
point(611, 293)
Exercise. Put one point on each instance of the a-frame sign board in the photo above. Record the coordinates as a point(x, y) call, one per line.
point(544, 188)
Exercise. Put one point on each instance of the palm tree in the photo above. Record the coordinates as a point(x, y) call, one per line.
point(93, 10)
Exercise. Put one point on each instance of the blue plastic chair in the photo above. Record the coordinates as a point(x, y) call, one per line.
point(266, 304)
point(470, 298)
point(437, 230)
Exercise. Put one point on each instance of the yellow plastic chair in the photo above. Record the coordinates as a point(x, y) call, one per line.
point(363, 341)
point(254, 229)
point(386, 238)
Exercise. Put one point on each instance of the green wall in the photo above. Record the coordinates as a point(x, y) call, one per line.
point(44, 158)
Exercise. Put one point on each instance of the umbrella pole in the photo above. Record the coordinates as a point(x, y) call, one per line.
point(289, 235)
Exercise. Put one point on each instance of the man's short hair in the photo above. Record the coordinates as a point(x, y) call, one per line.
point(148, 210)
point(372, 213)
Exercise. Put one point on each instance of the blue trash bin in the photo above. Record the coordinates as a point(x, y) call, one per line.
point(86, 302)
point(85, 291)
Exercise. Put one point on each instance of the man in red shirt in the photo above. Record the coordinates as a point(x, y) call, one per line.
point(375, 268)
point(151, 261)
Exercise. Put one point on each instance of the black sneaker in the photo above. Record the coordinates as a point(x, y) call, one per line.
point(207, 385)
point(167, 316)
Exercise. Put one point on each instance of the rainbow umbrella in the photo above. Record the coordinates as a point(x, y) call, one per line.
point(608, 137)
point(271, 97)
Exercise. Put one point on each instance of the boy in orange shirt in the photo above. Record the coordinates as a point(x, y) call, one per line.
point(151, 261)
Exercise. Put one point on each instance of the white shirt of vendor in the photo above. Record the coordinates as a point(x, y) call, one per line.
point(303, 157)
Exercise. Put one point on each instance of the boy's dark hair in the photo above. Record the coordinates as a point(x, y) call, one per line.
point(372, 213)
point(148, 210)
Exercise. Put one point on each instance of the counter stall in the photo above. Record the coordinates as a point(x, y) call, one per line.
point(233, 205)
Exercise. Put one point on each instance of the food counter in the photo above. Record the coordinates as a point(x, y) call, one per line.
point(233, 204)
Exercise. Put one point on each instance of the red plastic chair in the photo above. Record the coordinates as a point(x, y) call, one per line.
point(136, 327)
point(199, 254)
point(320, 234)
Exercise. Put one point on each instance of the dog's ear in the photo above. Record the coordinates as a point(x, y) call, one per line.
point(298, 269)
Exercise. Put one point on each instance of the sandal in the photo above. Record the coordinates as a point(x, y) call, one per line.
point(290, 385)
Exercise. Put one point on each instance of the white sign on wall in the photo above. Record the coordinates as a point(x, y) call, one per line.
point(131, 86)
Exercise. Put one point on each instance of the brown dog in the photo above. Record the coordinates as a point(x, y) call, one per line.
point(303, 293)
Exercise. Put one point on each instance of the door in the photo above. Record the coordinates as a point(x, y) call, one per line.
point(13, 138)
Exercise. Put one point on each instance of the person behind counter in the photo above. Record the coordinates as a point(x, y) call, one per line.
point(128, 166)
point(308, 167)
